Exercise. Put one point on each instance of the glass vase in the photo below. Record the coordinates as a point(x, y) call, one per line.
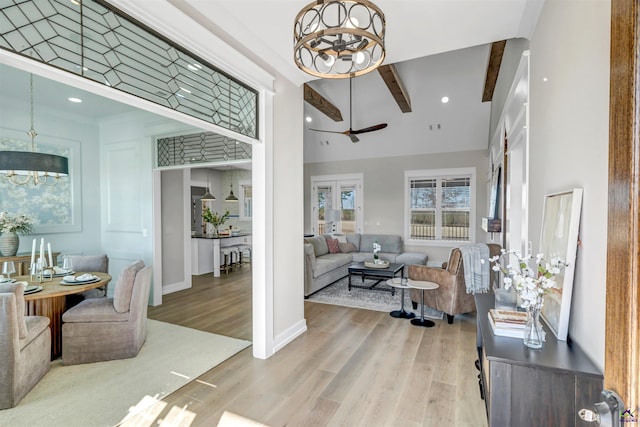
point(533, 329)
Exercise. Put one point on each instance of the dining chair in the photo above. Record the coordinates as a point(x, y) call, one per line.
point(91, 263)
point(25, 346)
point(99, 329)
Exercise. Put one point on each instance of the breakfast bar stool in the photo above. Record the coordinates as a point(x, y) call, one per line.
point(229, 259)
point(242, 248)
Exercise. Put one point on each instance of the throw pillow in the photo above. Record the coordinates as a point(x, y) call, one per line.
point(17, 288)
point(319, 244)
point(347, 247)
point(334, 246)
point(124, 287)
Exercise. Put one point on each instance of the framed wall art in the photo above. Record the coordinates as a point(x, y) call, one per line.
point(559, 238)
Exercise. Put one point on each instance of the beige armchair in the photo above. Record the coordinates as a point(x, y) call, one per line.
point(451, 297)
point(101, 329)
point(25, 346)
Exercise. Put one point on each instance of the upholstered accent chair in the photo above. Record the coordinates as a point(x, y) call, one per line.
point(451, 297)
point(101, 329)
point(91, 263)
point(25, 346)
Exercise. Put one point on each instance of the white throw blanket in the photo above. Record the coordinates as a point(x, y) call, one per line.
point(476, 272)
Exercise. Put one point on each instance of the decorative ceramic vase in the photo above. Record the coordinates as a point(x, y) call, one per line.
point(533, 329)
point(9, 243)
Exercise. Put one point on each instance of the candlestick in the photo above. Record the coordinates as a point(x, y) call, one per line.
point(33, 252)
point(42, 251)
point(50, 258)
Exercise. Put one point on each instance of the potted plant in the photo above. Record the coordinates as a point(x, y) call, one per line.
point(10, 227)
point(215, 219)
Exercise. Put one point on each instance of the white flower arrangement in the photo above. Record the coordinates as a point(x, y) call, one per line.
point(15, 223)
point(530, 283)
point(376, 248)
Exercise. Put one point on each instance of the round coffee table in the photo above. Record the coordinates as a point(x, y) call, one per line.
point(400, 283)
point(423, 286)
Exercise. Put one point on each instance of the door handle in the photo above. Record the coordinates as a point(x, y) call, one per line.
point(605, 413)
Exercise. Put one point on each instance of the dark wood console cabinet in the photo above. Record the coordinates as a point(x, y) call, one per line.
point(534, 388)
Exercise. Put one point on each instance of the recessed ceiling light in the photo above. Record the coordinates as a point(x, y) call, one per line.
point(308, 119)
point(544, 79)
point(77, 100)
point(444, 99)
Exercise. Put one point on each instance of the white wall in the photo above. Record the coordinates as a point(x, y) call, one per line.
point(126, 177)
point(14, 115)
point(288, 212)
point(384, 190)
point(569, 123)
point(173, 221)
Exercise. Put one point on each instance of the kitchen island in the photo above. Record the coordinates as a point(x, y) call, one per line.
point(205, 251)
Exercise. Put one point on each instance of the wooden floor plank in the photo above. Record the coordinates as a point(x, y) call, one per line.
point(351, 367)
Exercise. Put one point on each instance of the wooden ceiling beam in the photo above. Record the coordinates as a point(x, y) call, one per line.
point(322, 104)
point(390, 75)
point(493, 68)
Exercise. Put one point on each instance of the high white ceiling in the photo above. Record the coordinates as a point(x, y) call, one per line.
point(440, 47)
point(415, 28)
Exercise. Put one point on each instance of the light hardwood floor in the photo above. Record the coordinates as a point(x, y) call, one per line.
point(351, 368)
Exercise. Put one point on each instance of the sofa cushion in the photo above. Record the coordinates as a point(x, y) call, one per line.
point(319, 244)
point(17, 289)
point(347, 247)
point(355, 239)
point(389, 243)
point(409, 258)
point(367, 256)
point(330, 262)
point(334, 246)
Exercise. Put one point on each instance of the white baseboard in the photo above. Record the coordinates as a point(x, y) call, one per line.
point(289, 335)
point(174, 287)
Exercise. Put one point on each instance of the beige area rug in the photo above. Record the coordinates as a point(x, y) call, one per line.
point(338, 294)
point(105, 393)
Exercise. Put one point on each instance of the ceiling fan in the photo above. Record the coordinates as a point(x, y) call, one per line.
point(351, 133)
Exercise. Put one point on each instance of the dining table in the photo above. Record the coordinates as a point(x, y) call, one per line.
point(51, 301)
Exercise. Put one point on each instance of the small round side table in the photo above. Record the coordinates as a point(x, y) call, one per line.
point(423, 286)
point(401, 284)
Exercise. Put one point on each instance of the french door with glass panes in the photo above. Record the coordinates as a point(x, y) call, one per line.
point(336, 204)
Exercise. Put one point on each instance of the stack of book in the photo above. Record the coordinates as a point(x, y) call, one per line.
point(507, 323)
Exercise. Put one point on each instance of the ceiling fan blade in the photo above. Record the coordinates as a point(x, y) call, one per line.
point(354, 138)
point(329, 131)
point(369, 129)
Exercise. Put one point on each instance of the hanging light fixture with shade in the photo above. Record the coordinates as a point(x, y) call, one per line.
point(231, 197)
point(207, 196)
point(24, 167)
point(339, 39)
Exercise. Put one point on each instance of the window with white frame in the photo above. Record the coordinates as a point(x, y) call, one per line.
point(440, 205)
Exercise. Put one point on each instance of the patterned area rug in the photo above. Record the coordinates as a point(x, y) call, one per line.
point(338, 294)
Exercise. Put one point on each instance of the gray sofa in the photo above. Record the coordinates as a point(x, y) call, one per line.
point(324, 265)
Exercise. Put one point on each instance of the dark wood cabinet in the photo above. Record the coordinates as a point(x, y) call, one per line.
point(537, 388)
